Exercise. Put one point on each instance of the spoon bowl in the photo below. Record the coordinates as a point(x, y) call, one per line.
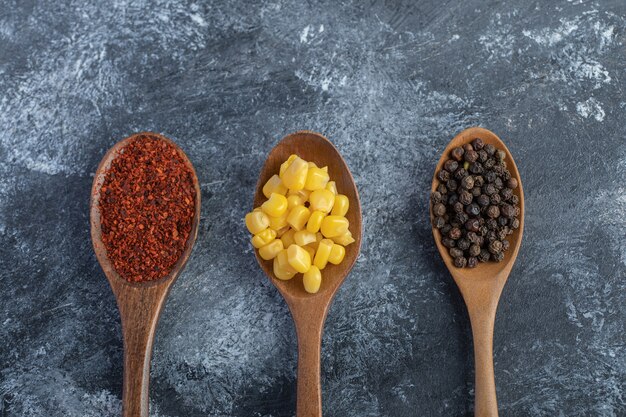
point(309, 310)
point(482, 286)
point(140, 303)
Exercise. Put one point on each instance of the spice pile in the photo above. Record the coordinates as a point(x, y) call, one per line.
point(475, 206)
point(147, 203)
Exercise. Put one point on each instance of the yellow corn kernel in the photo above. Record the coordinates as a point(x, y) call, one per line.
point(298, 216)
point(295, 200)
point(344, 239)
point(334, 226)
point(332, 187)
point(340, 208)
point(276, 206)
point(285, 164)
point(280, 232)
point(298, 258)
point(325, 169)
point(303, 237)
point(274, 185)
point(322, 253)
point(316, 179)
point(322, 200)
point(315, 221)
point(312, 164)
point(257, 221)
point(295, 174)
point(302, 193)
point(270, 250)
point(263, 238)
point(312, 279)
point(310, 250)
point(282, 269)
point(277, 223)
point(318, 239)
point(337, 253)
point(287, 238)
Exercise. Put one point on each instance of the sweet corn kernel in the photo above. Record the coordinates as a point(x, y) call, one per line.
point(257, 221)
point(302, 193)
point(310, 250)
point(322, 200)
point(282, 269)
point(316, 179)
point(298, 258)
point(283, 262)
point(295, 174)
point(315, 221)
point(312, 164)
point(312, 279)
point(298, 216)
point(337, 253)
point(287, 238)
point(318, 239)
point(344, 239)
point(332, 187)
point(340, 208)
point(285, 164)
point(303, 237)
point(270, 250)
point(263, 238)
point(325, 169)
point(334, 226)
point(322, 253)
point(276, 206)
point(295, 200)
point(280, 232)
point(277, 223)
point(274, 185)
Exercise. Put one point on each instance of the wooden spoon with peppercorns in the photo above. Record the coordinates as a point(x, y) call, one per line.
point(140, 303)
point(482, 285)
point(309, 310)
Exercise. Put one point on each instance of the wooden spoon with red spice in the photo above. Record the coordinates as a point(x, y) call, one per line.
point(481, 286)
point(140, 303)
point(309, 310)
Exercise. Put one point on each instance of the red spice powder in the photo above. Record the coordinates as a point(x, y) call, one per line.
point(147, 203)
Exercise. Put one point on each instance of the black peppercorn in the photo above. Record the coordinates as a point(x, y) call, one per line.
point(482, 200)
point(468, 147)
point(511, 183)
point(465, 197)
point(442, 188)
point(514, 199)
point(491, 235)
point(476, 191)
point(479, 181)
point(498, 257)
point(482, 155)
point(455, 233)
point(473, 237)
point(493, 212)
point(472, 225)
point(506, 175)
point(490, 149)
point(477, 144)
point(461, 218)
point(447, 242)
point(489, 189)
point(472, 261)
point(502, 233)
point(495, 247)
point(435, 197)
point(502, 221)
point(498, 183)
point(467, 182)
point(490, 176)
point(460, 262)
point(452, 185)
point(476, 168)
point(458, 207)
point(506, 193)
point(450, 165)
point(460, 173)
point(514, 223)
point(484, 255)
point(438, 222)
point(507, 210)
point(474, 250)
point(492, 224)
point(453, 198)
point(496, 199)
point(463, 244)
point(473, 209)
point(439, 209)
point(457, 153)
point(443, 175)
point(470, 156)
point(505, 245)
point(455, 252)
point(500, 155)
point(445, 229)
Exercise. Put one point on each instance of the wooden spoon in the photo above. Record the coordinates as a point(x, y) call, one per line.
point(309, 310)
point(140, 303)
point(481, 286)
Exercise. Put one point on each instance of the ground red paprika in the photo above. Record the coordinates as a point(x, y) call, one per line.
point(147, 203)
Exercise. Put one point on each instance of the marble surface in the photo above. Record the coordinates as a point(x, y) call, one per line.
point(390, 83)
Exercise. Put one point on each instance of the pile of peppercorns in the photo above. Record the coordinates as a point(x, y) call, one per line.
point(474, 206)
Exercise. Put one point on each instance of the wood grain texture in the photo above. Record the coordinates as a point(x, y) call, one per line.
point(482, 286)
point(140, 303)
point(309, 310)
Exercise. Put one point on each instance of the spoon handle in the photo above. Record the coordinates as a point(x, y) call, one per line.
point(139, 310)
point(486, 403)
point(309, 327)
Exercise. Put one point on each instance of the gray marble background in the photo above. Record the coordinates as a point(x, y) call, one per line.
point(390, 83)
